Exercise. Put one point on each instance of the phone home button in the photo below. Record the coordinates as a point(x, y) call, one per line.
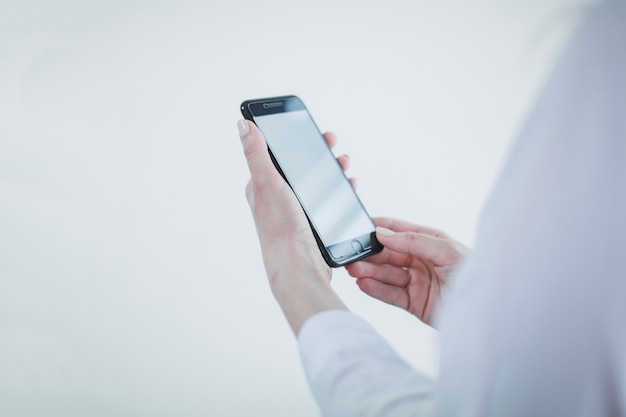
point(357, 246)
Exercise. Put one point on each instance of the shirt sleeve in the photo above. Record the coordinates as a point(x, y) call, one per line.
point(353, 371)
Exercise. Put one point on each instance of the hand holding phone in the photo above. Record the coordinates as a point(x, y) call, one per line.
point(298, 276)
point(341, 226)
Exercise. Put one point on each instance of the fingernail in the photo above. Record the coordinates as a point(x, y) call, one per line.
point(384, 232)
point(243, 128)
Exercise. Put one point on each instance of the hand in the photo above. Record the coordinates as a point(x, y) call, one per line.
point(298, 275)
point(412, 269)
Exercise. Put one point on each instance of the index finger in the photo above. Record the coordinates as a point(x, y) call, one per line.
point(421, 246)
point(389, 257)
point(403, 226)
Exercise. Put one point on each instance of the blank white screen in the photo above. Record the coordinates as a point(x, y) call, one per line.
point(317, 179)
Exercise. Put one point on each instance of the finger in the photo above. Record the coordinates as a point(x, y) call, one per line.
point(389, 294)
point(420, 245)
point(353, 181)
point(255, 150)
point(403, 226)
point(344, 162)
point(391, 257)
point(387, 274)
point(331, 139)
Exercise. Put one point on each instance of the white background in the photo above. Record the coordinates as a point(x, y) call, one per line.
point(131, 282)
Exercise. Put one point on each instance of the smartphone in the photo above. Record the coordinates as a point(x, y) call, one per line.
point(344, 231)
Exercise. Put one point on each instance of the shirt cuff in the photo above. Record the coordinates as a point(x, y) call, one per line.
point(328, 332)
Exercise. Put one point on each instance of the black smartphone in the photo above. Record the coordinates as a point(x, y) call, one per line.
point(344, 231)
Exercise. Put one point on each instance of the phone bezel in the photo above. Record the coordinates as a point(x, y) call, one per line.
point(339, 254)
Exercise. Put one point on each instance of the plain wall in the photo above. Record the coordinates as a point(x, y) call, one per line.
point(131, 282)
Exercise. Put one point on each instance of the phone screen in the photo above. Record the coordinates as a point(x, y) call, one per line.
point(309, 166)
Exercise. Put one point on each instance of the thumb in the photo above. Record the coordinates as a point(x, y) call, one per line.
point(255, 150)
point(426, 247)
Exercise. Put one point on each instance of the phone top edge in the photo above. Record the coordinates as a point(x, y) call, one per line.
point(255, 100)
point(271, 105)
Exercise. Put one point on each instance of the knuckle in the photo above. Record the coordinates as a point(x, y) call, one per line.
point(413, 236)
point(249, 149)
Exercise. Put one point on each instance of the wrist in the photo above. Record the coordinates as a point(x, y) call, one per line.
point(301, 285)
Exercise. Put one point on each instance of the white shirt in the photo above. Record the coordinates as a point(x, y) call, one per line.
point(535, 321)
